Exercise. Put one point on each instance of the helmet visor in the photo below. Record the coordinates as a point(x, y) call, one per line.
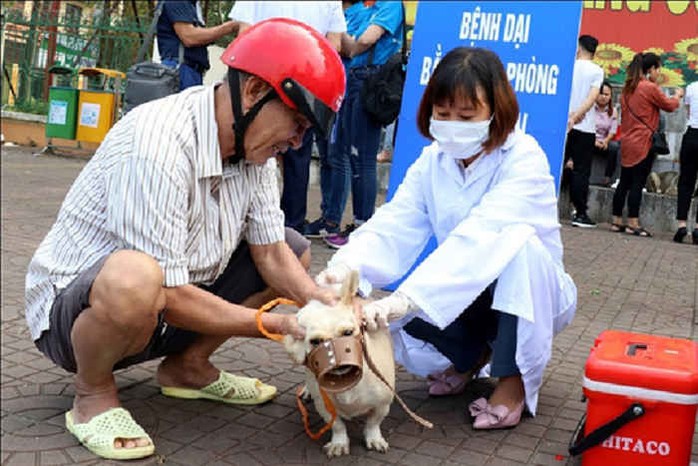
point(319, 114)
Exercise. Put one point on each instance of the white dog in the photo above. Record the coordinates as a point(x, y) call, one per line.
point(370, 397)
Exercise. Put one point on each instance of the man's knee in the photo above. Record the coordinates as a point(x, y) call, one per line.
point(130, 282)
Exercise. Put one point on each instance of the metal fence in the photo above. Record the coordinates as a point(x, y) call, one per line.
point(38, 35)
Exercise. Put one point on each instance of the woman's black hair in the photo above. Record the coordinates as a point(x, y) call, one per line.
point(461, 73)
point(609, 109)
point(641, 64)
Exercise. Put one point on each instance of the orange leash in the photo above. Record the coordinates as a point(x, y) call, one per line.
point(304, 413)
point(301, 407)
point(270, 305)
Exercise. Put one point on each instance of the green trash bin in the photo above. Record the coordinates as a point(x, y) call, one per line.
point(62, 105)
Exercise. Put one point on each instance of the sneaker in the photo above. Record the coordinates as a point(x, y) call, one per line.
point(319, 229)
point(338, 240)
point(583, 221)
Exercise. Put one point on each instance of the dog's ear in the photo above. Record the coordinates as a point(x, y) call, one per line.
point(295, 348)
point(349, 288)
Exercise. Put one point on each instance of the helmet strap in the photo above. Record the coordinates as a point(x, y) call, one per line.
point(242, 121)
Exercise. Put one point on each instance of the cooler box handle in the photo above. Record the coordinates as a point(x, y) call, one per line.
point(580, 443)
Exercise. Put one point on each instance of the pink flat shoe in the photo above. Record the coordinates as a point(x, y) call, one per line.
point(448, 383)
point(494, 417)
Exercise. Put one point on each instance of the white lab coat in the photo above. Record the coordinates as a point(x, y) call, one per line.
point(495, 220)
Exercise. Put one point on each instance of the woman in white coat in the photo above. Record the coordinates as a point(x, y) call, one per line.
point(496, 278)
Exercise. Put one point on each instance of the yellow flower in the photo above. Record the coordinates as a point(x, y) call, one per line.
point(689, 47)
point(655, 50)
point(670, 78)
point(611, 57)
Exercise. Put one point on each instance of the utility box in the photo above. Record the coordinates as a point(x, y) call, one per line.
point(98, 104)
point(63, 104)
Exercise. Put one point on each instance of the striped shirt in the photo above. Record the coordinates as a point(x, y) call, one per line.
point(157, 184)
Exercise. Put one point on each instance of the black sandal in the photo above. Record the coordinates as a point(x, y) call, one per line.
point(680, 235)
point(617, 228)
point(639, 231)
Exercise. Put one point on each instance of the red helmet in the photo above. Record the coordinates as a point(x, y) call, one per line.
point(297, 61)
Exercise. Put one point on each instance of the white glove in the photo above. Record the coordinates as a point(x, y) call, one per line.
point(379, 313)
point(333, 276)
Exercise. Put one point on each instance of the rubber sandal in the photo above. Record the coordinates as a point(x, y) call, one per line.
point(228, 388)
point(639, 231)
point(100, 432)
point(617, 228)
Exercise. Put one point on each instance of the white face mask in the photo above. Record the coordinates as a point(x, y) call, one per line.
point(460, 139)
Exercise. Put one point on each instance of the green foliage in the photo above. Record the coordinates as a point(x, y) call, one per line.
point(34, 106)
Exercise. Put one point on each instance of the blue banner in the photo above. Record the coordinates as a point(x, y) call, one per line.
point(536, 41)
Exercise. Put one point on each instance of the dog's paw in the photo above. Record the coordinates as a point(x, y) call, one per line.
point(305, 394)
point(333, 449)
point(377, 443)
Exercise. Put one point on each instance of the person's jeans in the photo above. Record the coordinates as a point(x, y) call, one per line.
point(352, 155)
point(687, 174)
point(579, 148)
point(296, 172)
point(188, 76)
point(632, 180)
point(613, 153)
point(323, 145)
point(464, 341)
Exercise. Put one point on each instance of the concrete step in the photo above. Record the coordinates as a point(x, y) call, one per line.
point(657, 211)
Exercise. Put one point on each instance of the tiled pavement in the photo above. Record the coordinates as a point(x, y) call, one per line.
point(644, 285)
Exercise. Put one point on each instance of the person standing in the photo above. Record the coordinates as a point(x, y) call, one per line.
point(374, 35)
point(327, 18)
point(688, 171)
point(182, 25)
point(641, 100)
point(581, 126)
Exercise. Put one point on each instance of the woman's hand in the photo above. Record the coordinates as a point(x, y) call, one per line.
point(333, 276)
point(379, 313)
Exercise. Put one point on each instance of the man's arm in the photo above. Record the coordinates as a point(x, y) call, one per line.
point(352, 48)
point(192, 308)
point(335, 38)
point(578, 115)
point(192, 36)
point(283, 272)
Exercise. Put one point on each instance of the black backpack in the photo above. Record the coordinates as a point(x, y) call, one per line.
point(381, 94)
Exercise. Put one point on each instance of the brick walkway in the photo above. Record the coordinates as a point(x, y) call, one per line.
point(644, 285)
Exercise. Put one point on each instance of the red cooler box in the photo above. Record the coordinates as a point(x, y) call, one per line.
point(642, 395)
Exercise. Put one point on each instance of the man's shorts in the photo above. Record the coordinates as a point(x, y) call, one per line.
point(239, 280)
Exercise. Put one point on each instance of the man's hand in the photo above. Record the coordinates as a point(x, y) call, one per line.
point(327, 296)
point(379, 313)
point(289, 326)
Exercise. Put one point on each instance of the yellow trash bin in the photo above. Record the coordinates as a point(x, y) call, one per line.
point(97, 106)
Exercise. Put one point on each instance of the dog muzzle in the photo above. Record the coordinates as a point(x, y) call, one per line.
point(337, 363)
